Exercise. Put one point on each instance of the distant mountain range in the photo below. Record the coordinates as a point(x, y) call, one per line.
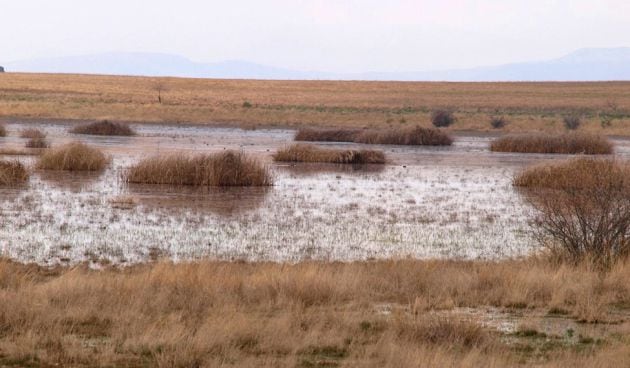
point(592, 64)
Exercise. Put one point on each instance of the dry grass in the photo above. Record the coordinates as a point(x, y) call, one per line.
point(37, 143)
point(12, 173)
point(74, 156)
point(571, 143)
point(375, 314)
point(407, 136)
point(3, 130)
point(221, 169)
point(32, 133)
point(310, 153)
point(578, 173)
point(343, 104)
point(104, 127)
point(8, 151)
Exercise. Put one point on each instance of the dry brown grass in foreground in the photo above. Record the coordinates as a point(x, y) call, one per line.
point(571, 143)
point(73, 156)
point(374, 314)
point(310, 153)
point(409, 136)
point(583, 208)
point(32, 133)
point(104, 127)
point(220, 169)
point(12, 173)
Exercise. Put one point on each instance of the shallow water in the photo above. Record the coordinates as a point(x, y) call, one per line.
point(454, 202)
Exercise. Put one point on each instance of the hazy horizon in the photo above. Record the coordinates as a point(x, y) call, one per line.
point(329, 36)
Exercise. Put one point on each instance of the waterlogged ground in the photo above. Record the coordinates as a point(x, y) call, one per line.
point(454, 202)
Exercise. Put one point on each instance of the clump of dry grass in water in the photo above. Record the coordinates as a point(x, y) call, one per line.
point(583, 208)
point(37, 143)
point(220, 169)
point(74, 156)
point(12, 173)
point(104, 127)
point(570, 143)
point(410, 136)
point(32, 133)
point(310, 153)
point(3, 130)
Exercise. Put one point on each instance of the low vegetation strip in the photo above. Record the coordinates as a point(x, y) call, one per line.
point(576, 174)
point(32, 133)
point(381, 313)
point(310, 153)
point(12, 173)
point(73, 156)
point(104, 127)
point(220, 169)
point(569, 143)
point(409, 136)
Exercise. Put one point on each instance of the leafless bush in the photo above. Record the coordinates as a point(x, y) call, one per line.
point(442, 118)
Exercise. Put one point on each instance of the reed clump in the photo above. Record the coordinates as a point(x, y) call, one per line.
point(569, 143)
point(37, 143)
point(409, 136)
point(223, 169)
point(73, 156)
point(32, 133)
point(12, 173)
point(104, 127)
point(311, 153)
point(3, 130)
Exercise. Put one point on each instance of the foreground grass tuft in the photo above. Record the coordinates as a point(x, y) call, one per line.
point(104, 127)
point(310, 153)
point(74, 156)
point(12, 173)
point(410, 136)
point(571, 143)
point(220, 169)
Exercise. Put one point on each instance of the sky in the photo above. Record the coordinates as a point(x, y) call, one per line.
point(322, 35)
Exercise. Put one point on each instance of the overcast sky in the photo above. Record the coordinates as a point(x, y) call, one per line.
point(324, 35)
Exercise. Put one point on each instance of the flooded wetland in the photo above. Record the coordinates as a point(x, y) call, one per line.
point(453, 202)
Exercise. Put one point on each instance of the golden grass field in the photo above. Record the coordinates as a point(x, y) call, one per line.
point(313, 314)
point(251, 103)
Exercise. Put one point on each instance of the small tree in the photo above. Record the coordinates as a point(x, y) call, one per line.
point(442, 118)
point(160, 87)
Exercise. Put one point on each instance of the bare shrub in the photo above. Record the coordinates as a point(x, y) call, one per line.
point(409, 136)
point(498, 122)
point(583, 208)
point(572, 122)
point(32, 133)
point(571, 143)
point(221, 169)
point(310, 153)
point(104, 127)
point(442, 118)
point(74, 156)
point(12, 173)
point(37, 143)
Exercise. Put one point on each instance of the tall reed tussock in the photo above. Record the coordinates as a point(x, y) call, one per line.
point(409, 136)
point(569, 143)
point(220, 169)
point(73, 156)
point(32, 133)
point(104, 127)
point(310, 153)
point(583, 208)
point(12, 173)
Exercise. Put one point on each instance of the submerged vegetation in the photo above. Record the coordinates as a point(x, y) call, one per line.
point(408, 136)
point(571, 143)
point(220, 169)
point(73, 156)
point(12, 173)
point(310, 153)
point(104, 127)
